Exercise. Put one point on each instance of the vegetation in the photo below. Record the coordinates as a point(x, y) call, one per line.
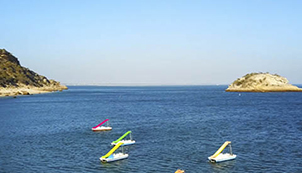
point(248, 80)
point(13, 74)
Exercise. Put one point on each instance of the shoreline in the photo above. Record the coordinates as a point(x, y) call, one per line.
point(18, 91)
point(289, 88)
point(265, 90)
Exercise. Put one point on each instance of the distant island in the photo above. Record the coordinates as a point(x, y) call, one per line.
point(17, 80)
point(262, 82)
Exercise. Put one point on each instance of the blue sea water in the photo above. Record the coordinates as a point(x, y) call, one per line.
point(175, 128)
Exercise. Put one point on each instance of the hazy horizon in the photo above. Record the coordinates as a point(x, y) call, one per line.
point(154, 42)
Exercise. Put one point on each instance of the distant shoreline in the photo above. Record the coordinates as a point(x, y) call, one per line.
point(264, 90)
point(18, 91)
point(143, 85)
point(13, 92)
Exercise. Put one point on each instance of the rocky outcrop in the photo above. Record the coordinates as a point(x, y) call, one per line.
point(8, 56)
point(262, 82)
point(18, 80)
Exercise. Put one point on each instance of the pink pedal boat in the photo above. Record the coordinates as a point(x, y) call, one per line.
point(102, 128)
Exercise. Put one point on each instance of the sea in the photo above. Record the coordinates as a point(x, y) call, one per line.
point(175, 127)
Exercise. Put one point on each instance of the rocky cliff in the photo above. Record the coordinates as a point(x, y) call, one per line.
point(16, 80)
point(262, 82)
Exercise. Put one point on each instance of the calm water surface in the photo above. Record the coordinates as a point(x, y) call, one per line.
point(175, 127)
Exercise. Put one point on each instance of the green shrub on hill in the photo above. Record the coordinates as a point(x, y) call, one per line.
point(12, 74)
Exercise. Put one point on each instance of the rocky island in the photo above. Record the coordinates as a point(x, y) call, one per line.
point(17, 80)
point(262, 82)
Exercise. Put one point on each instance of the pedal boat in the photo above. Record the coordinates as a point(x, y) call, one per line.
point(102, 128)
point(124, 141)
point(114, 157)
point(221, 157)
point(111, 156)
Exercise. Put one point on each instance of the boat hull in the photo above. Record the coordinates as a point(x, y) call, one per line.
point(114, 157)
point(125, 142)
point(223, 157)
point(101, 128)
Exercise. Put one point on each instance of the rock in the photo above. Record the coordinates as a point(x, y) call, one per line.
point(45, 81)
point(262, 82)
point(8, 56)
point(25, 93)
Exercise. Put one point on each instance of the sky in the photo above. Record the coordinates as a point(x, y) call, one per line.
point(154, 42)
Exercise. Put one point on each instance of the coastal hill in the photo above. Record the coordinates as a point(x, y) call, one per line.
point(262, 82)
point(18, 80)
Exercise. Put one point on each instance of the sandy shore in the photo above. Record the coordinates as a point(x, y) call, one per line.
point(5, 92)
point(287, 88)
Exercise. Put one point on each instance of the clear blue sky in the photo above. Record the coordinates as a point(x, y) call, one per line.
point(154, 42)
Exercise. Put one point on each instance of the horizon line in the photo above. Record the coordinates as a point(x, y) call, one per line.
point(139, 84)
point(143, 84)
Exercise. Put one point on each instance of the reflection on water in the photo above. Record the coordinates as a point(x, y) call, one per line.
point(223, 166)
